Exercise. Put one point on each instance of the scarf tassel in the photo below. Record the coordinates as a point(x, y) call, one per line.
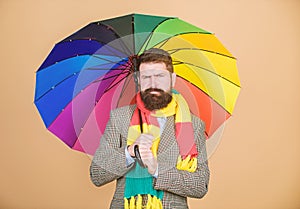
point(136, 203)
point(187, 164)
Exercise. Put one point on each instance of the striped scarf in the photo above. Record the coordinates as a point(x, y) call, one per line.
point(138, 181)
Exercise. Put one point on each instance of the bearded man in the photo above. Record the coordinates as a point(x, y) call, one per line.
point(169, 140)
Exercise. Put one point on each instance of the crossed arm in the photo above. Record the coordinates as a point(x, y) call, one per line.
point(109, 163)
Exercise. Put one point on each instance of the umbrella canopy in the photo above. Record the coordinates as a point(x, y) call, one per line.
point(90, 73)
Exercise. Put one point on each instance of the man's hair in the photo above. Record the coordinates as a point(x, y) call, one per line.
point(156, 55)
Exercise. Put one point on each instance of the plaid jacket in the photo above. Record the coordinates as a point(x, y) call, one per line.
point(109, 162)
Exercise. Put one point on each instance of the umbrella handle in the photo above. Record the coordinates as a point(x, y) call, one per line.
point(138, 156)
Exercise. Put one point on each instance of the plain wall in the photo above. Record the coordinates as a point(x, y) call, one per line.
point(256, 164)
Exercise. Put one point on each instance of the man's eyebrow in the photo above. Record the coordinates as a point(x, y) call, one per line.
point(152, 72)
point(160, 74)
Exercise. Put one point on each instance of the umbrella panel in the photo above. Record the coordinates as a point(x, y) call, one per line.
point(90, 71)
point(200, 104)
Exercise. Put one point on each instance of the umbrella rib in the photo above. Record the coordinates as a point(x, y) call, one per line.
point(132, 32)
point(126, 50)
point(46, 92)
point(97, 68)
point(101, 58)
point(149, 38)
point(199, 49)
point(186, 63)
point(120, 66)
point(100, 98)
point(115, 76)
point(122, 59)
point(110, 87)
point(151, 34)
point(109, 77)
point(163, 42)
point(171, 18)
point(86, 117)
point(68, 77)
point(206, 94)
point(124, 87)
point(77, 95)
point(92, 55)
point(75, 73)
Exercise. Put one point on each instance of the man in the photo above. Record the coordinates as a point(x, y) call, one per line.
point(170, 140)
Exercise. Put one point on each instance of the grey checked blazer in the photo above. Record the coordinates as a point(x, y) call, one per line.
point(109, 162)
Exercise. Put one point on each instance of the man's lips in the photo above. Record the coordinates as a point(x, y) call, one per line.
point(155, 92)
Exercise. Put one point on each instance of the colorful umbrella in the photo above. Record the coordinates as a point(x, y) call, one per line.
point(91, 72)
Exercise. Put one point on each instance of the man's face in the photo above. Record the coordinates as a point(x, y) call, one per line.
point(156, 83)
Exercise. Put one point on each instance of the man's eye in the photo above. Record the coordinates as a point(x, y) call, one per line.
point(160, 75)
point(145, 77)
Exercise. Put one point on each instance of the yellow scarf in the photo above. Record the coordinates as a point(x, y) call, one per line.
point(187, 160)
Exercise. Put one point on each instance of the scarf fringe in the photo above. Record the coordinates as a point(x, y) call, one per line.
point(136, 203)
point(187, 164)
point(187, 160)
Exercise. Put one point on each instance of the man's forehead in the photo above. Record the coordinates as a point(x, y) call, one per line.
point(153, 71)
point(153, 65)
point(153, 68)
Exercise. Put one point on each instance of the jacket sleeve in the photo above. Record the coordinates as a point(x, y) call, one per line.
point(185, 183)
point(109, 161)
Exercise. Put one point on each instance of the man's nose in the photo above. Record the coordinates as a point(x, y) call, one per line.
point(153, 82)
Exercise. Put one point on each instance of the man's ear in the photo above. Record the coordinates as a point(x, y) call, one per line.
point(173, 79)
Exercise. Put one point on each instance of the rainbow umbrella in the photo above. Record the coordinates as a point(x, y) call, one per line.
point(91, 72)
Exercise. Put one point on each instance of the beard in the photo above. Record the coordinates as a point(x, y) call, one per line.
point(155, 101)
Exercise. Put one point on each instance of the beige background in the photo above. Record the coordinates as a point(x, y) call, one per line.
point(256, 164)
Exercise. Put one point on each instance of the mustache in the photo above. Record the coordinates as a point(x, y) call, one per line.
point(154, 89)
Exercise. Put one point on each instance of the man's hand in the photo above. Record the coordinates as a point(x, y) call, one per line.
point(144, 141)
